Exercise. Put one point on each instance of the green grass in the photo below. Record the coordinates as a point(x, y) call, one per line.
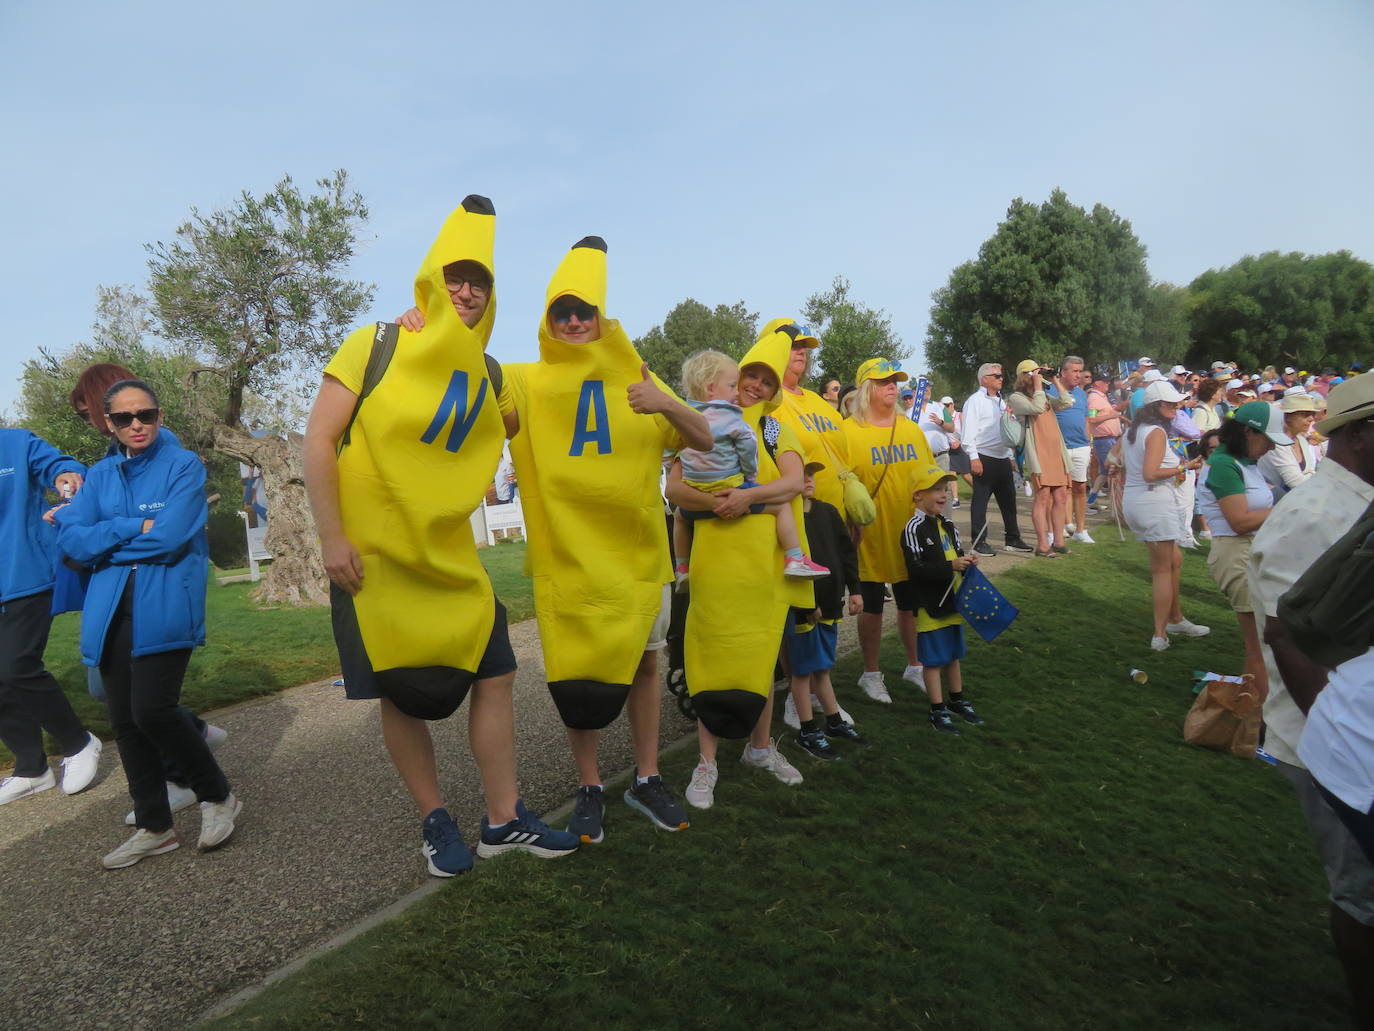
point(1072, 864)
point(252, 651)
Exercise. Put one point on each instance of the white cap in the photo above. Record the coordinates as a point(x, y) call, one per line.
point(1290, 371)
point(1218, 365)
point(1162, 390)
point(1268, 387)
point(1146, 363)
point(947, 400)
point(1294, 390)
point(1255, 378)
point(1235, 384)
point(1178, 370)
point(1152, 376)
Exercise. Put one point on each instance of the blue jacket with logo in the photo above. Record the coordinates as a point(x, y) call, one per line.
point(103, 528)
point(28, 551)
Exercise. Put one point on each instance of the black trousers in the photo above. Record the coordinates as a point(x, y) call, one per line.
point(31, 700)
point(141, 694)
point(996, 481)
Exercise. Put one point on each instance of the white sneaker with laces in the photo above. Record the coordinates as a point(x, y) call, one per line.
point(142, 845)
point(178, 798)
point(15, 788)
point(217, 822)
point(701, 792)
point(1082, 537)
point(79, 770)
point(1159, 643)
point(1188, 629)
point(773, 761)
point(873, 686)
point(912, 675)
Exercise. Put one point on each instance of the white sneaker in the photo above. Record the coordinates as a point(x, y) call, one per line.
point(217, 822)
point(1069, 528)
point(1083, 537)
point(142, 845)
point(214, 737)
point(178, 798)
point(1188, 629)
point(912, 675)
point(873, 686)
point(79, 770)
point(1159, 643)
point(789, 713)
point(15, 788)
point(773, 761)
point(701, 792)
point(1205, 535)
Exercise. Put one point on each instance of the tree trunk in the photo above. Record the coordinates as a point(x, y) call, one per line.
point(296, 573)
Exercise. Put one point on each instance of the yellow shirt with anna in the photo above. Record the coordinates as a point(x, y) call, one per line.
point(820, 429)
point(886, 459)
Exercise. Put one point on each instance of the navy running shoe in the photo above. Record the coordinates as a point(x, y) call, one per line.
point(589, 812)
point(654, 800)
point(443, 849)
point(526, 833)
point(965, 710)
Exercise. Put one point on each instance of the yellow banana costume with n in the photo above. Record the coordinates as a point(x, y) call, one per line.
point(739, 597)
point(588, 468)
point(423, 449)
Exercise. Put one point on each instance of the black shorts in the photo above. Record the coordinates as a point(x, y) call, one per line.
point(359, 681)
point(903, 596)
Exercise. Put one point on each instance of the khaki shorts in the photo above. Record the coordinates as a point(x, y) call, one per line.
point(1228, 562)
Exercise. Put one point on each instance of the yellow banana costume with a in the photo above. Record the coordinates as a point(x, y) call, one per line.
point(423, 449)
point(739, 598)
point(588, 468)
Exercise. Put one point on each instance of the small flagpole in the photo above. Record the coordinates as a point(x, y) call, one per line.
point(952, 578)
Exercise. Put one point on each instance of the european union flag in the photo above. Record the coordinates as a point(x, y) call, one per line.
point(987, 611)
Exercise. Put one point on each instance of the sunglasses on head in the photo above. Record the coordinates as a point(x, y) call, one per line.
point(123, 420)
point(886, 365)
point(563, 311)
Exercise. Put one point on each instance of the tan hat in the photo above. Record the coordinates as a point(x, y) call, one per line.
point(1299, 403)
point(1028, 365)
point(1348, 402)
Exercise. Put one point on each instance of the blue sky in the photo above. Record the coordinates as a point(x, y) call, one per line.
point(744, 151)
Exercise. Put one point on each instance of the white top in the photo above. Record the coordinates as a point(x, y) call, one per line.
point(1302, 526)
point(1338, 743)
point(983, 426)
point(1257, 496)
point(1134, 456)
point(1282, 468)
point(931, 416)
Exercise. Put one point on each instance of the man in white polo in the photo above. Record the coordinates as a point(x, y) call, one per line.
point(991, 461)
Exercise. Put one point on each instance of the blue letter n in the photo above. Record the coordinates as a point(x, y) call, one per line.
point(455, 402)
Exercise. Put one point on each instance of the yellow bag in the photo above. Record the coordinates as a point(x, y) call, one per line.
point(859, 509)
point(1226, 717)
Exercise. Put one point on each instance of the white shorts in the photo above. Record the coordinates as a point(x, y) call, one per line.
point(1156, 514)
point(1078, 463)
point(658, 636)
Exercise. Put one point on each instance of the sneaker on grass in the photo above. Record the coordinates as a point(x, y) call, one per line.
point(79, 770)
point(701, 791)
point(963, 708)
point(654, 800)
point(588, 815)
point(445, 853)
point(846, 731)
point(1188, 629)
point(526, 833)
point(873, 686)
point(178, 798)
point(139, 847)
point(943, 721)
point(773, 761)
point(912, 675)
point(217, 822)
point(815, 744)
point(1083, 537)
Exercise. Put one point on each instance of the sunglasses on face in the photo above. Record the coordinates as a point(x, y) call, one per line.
point(994, 375)
point(563, 311)
point(123, 420)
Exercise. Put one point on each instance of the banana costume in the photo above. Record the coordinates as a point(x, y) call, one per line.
point(739, 597)
point(423, 449)
point(588, 468)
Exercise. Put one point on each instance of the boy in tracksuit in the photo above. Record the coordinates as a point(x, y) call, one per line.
point(812, 633)
point(934, 562)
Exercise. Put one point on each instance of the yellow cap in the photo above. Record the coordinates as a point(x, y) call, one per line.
point(879, 368)
point(1029, 365)
point(930, 477)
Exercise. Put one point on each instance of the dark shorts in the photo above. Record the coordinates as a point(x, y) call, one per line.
point(810, 650)
point(937, 648)
point(359, 682)
point(959, 463)
point(1102, 447)
point(903, 596)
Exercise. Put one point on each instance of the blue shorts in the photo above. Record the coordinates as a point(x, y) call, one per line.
point(937, 648)
point(1102, 447)
point(810, 650)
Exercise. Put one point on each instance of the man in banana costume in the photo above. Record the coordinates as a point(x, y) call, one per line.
point(415, 619)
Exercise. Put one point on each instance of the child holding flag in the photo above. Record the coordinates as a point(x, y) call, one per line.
point(935, 562)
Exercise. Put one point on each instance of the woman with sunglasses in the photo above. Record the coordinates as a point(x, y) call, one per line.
point(139, 524)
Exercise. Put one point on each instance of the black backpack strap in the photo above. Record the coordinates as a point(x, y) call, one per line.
point(770, 429)
point(494, 374)
point(383, 347)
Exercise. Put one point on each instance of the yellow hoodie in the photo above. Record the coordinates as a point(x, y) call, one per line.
point(588, 468)
point(423, 450)
point(739, 598)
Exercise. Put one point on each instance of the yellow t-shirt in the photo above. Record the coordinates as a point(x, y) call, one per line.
point(902, 450)
point(816, 424)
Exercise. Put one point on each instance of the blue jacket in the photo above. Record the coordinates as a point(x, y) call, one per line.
point(103, 528)
point(28, 552)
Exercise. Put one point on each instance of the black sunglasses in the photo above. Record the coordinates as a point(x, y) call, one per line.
point(123, 420)
point(997, 375)
point(563, 311)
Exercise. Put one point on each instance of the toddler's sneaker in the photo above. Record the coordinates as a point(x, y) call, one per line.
point(526, 833)
point(701, 792)
point(804, 569)
point(773, 761)
point(444, 851)
point(873, 686)
point(589, 812)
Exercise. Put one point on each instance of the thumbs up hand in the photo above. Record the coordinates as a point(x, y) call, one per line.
point(644, 396)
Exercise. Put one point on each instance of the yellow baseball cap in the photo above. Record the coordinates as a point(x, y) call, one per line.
point(1029, 365)
point(879, 368)
point(930, 477)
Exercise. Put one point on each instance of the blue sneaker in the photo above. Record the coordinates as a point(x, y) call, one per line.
point(526, 832)
point(1092, 498)
point(443, 849)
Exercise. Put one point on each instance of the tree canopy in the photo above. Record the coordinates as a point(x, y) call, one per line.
point(1053, 279)
point(850, 333)
point(691, 327)
point(1304, 310)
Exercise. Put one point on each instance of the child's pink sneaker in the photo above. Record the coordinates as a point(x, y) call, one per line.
point(804, 569)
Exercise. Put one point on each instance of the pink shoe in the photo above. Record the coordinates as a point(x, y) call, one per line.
point(804, 569)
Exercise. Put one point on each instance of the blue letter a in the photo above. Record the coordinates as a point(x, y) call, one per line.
point(455, 402)
point(591, 427)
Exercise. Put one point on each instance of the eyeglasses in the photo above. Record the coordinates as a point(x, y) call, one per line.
point(123, 420)
point(563, 311)
point(478, 284)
